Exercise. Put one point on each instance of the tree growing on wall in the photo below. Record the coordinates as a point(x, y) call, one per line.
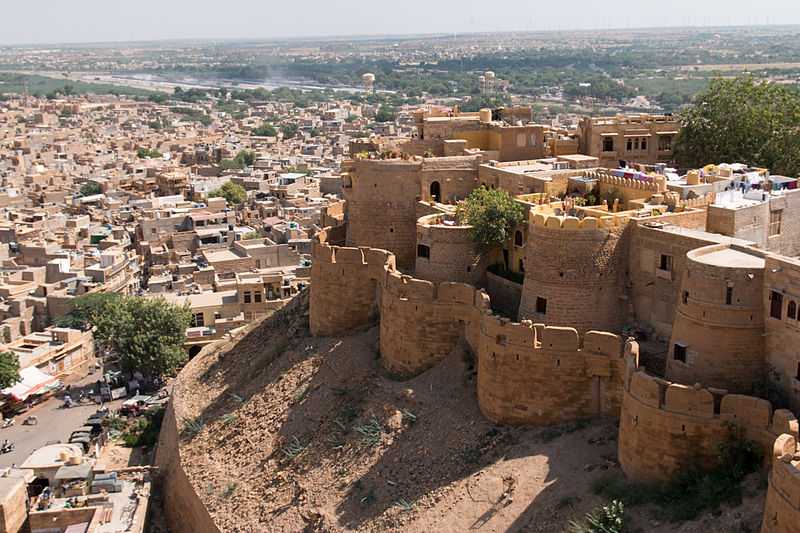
point(742, 120)
point(9, 369)
point(234, 194)
point(493, 215)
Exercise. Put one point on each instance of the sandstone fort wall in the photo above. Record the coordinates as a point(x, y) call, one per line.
point(184, 511)
point(526, 374)
point(719, 321)
point(782, 508)
point(421, 322)
point(666, 427)
point(452, 253)
point(381, 206)
point(532, 374)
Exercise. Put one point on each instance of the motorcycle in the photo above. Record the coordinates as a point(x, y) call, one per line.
point(8, 422)
point(7, 447)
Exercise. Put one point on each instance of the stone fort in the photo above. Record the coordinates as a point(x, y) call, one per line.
point(670, 302)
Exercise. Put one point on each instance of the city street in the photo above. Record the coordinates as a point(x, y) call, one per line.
point(55, 422)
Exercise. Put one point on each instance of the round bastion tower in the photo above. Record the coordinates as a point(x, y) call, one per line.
point(572, 273)
point(717, 337)
point(446, 251)
point(381, 206)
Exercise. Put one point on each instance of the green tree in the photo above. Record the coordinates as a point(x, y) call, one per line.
point(245, 158)
point(265, 130)
point(148, 334)
point(9, 369)
point(144, 153)
point(492, 213)
point(742, 120)
point(234, 194)
point(90, 188)
point(386, 114)
point(91, 309)
point(289, 130)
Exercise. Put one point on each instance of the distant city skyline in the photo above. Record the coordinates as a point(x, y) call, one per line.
point(83, 21)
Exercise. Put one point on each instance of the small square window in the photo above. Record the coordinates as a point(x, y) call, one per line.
point(666, 262)
point(257, 297)
point(541, 305)
point(423, 251)
point(248, 297)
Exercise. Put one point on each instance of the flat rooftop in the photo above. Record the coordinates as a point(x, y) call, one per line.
point(729, 257)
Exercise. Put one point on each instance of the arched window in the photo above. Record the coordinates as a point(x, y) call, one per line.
point(792, 313)
point(518, 238)
point(436, 192)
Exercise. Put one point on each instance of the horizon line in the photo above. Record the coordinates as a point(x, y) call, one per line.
point(389, 36)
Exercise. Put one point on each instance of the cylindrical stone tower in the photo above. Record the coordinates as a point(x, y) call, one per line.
point(717, 338)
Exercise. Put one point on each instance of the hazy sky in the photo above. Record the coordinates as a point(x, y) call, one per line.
point(50, 21)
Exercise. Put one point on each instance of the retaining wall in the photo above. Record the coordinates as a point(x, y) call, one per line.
point(184, 511)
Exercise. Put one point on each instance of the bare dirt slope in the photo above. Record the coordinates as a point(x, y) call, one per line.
point(293, 433)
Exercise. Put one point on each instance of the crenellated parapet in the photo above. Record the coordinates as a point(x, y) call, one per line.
point(782, 508)
point(527, 374)
point(421, 321)
point(344, 288)
point(532, 374)
point(667, 427)
point(574, 273)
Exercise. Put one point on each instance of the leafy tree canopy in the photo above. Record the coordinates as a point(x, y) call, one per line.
point(90, 188)
point(742, 120)
point(144, 153)
point(265, 130)
point(234, 194)
point(386, 114)
point(9, 369)
point(148, 334)
point(492, 213)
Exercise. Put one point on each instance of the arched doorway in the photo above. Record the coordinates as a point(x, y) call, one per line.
point(436, 192)
point(194, 350)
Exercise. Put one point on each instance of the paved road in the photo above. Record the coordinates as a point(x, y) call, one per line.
point(55, 423)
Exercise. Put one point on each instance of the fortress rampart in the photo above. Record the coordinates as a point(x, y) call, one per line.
point(782, 508)
point(573, 275)
point(183, 508)
point(532, 374)
point(526, 374)
point(666, 427)
point(381, 206)
point(344, 293)
point(421, 322)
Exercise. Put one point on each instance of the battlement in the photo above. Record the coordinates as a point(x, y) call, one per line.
point(570, 223)
point(657, 185)
point(550, 338)
point(666, 426)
